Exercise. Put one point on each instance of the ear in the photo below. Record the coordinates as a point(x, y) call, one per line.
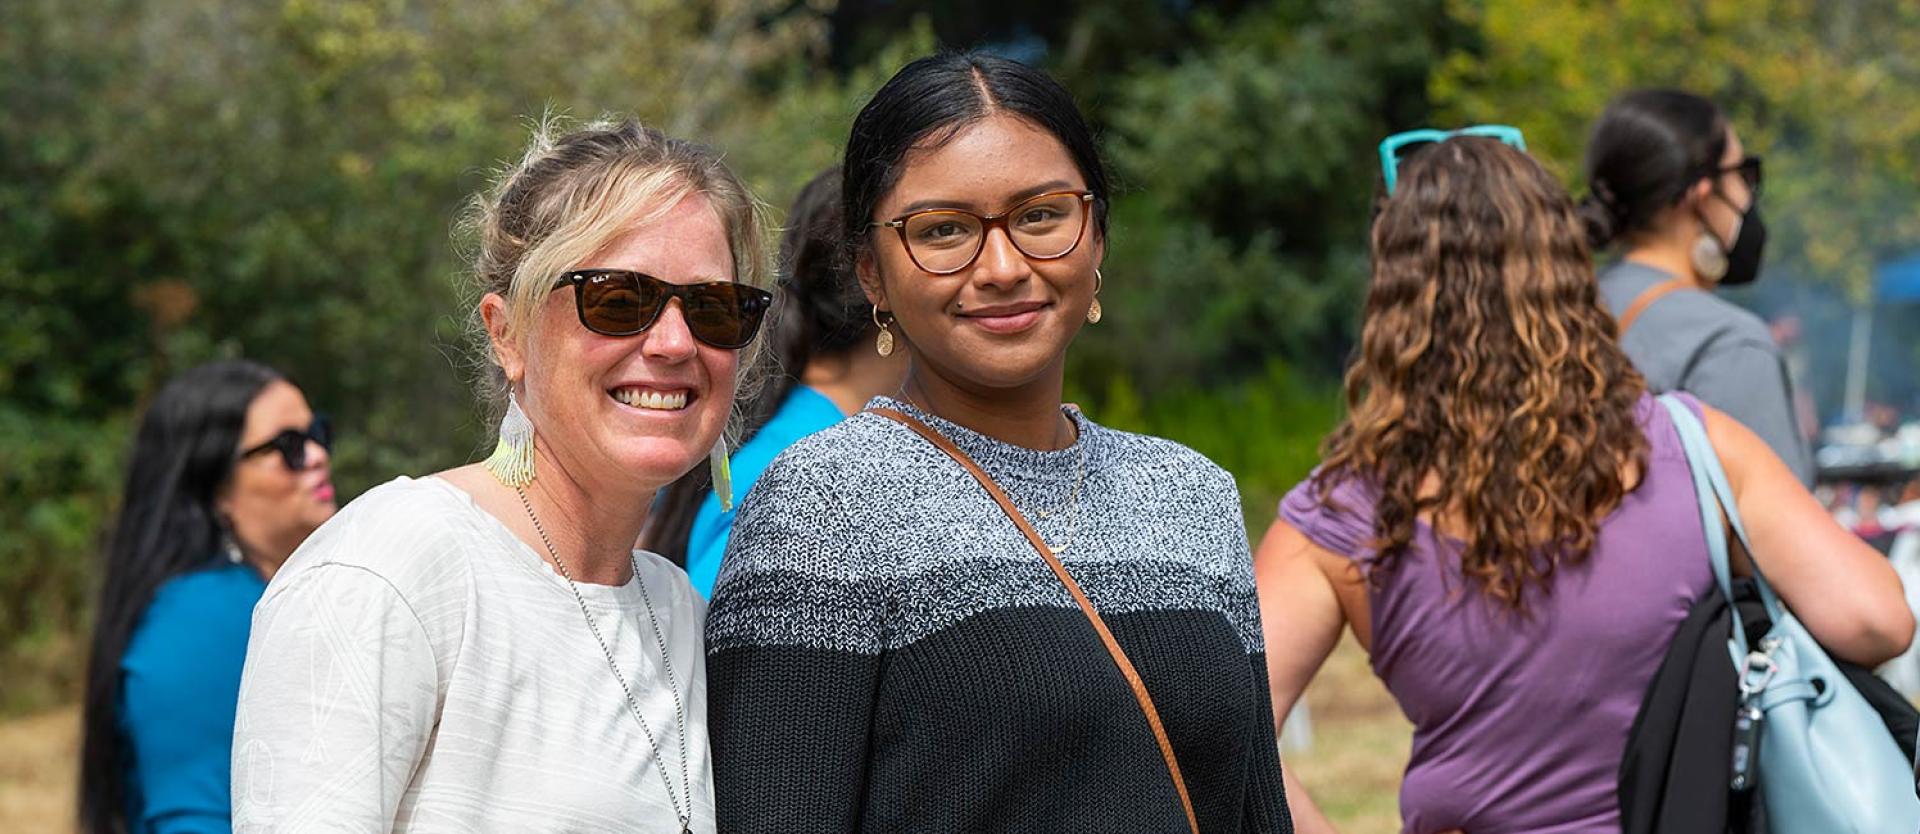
point(869, 274)
point(506, 350)
point(1698, 193)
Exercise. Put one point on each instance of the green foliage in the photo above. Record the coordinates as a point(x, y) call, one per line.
point(1829, 92)
point(1266, 429)
point(1247, 168)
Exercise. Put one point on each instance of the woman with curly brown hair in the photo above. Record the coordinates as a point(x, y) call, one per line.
point(1506, 519)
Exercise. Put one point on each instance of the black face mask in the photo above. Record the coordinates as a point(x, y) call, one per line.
point(1743, 257)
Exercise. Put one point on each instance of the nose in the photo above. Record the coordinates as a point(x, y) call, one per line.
point(1000, 265)
point(669, 339)
point(317, 455)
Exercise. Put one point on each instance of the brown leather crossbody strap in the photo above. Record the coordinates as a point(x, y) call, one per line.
point(1086, 606)
point(1645, 299)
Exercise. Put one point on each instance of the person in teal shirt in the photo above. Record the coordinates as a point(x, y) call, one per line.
point(180, 680)
point(822, 341)
point(228, 475)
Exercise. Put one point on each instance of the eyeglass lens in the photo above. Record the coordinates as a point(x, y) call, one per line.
point(1045, 227)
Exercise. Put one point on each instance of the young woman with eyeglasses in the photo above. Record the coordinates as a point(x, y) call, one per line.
point(970, 607)
point(485, 648)
point(1672, 188)
point(227, 475)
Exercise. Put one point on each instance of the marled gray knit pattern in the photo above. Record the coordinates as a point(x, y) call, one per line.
point(1158, 527)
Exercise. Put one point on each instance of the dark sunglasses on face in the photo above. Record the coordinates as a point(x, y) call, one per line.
point(619, 302)
point(1749, 171)
point(292, 443)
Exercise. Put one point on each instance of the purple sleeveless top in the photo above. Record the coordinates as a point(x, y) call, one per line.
point(1519, 725)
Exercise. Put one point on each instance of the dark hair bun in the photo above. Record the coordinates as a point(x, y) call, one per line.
point(1601, 224)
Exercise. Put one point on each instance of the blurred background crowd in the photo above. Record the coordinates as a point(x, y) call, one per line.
point(186, 180)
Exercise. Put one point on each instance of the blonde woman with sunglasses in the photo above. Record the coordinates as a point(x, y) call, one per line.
point(484, 649)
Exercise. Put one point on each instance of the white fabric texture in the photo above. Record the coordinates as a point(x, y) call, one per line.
point(1904, 671)
point(415, 667)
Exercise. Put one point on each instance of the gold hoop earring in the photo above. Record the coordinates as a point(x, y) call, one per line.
point(1094, 313)
point(883, 344)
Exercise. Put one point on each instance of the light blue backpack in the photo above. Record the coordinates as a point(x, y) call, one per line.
point(1827, 764)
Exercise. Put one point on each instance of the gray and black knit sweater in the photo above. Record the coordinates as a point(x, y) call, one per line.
point(886, 653)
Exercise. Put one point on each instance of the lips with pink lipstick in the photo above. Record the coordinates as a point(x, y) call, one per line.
point(1006, 318)
point(323, 492)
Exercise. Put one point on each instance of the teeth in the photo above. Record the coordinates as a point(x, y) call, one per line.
point(654, 400)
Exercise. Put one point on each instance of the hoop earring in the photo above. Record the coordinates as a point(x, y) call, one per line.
point(882, 345)
point(1709, 259)
point(1094, 313)
point(512, 460)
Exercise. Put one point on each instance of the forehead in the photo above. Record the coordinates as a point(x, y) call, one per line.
point(687, 244)
point(1735, 151)
point(982, 165)
point(277, 407)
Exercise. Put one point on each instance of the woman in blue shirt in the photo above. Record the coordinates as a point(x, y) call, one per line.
point(823, 340)
point(227, 475)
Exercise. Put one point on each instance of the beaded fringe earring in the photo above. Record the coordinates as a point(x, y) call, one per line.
point(512, 459)
point(722, 470)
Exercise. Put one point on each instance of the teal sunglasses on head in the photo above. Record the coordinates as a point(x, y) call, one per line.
point(1397, 147)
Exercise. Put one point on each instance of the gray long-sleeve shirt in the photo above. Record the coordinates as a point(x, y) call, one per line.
point(1696, 342)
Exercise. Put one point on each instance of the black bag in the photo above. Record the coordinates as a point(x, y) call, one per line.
point(1676, 773)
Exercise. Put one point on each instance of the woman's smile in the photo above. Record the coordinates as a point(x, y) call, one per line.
point(1005, 319)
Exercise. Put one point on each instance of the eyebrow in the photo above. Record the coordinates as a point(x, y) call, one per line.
point(1017, 198)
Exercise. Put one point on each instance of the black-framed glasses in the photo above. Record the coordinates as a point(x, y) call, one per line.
point(945, 241)
point(292, 443)
point(621, 302)
point(1748, 169)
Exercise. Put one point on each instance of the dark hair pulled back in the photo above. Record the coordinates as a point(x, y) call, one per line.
point(931, 99)
point(183, 454)
point(1647, 149)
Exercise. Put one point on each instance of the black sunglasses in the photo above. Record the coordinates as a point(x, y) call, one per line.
point(292, 443)
point(1748, 169)
point(619, 302)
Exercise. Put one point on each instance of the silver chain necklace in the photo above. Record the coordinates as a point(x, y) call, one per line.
point(633, 707)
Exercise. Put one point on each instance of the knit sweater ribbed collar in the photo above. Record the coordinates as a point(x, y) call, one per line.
point(999, 456)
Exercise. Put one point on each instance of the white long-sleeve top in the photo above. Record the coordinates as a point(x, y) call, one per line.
point(416, 667)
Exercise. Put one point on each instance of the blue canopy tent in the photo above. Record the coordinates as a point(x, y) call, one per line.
point(1898, 280)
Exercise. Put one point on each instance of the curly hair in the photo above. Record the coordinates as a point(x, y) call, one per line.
point(1489, 389)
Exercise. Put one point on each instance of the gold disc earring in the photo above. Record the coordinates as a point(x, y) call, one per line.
point(1094, 312)
point(883, 344)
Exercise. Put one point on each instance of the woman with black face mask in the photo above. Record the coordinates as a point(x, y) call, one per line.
point(1672, 188)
